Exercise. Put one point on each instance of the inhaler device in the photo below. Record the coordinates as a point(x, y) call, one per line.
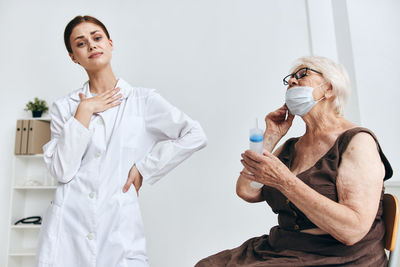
point(256, 145)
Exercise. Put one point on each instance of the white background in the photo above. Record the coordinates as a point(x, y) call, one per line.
point(222, 62)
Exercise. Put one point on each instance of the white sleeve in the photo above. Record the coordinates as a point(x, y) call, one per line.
point(184, 137)
point(69, 139)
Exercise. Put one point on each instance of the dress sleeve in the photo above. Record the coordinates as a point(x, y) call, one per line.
point(183, 137)
point(69, 139)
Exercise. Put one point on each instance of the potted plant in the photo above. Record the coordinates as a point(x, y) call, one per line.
point(37, 107)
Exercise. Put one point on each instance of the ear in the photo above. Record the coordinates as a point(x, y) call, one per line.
point(329, 92)
point(111, 44)
point(71, 55)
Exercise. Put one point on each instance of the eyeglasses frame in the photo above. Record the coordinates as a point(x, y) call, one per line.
point(293, 75)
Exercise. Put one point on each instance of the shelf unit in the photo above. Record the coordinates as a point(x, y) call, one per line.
point(32, 189)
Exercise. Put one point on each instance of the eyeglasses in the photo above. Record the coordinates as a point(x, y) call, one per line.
point(301, 73)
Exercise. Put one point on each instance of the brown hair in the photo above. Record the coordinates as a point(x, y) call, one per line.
point(75, 22)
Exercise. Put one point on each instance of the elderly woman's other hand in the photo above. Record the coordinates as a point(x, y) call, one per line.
point(266, 169)
point(277, 123)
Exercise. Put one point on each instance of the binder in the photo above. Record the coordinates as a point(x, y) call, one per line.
point(24, 138)
point(18, 137)
point(39, 135)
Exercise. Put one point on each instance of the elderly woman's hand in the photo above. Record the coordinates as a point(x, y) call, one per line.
point(266, 169)
point(277, 124)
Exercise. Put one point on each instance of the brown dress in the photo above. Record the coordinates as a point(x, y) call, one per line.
point(286, 245)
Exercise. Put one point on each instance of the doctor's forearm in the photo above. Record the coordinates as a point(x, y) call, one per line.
point(83, 114)
point(63, 154)
point(158, 163)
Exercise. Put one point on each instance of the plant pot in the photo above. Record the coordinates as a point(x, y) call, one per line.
point(37, 114)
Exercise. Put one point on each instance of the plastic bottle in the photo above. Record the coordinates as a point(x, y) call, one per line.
point(256, 145)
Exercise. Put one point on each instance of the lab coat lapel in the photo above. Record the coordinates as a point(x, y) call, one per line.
point(112, 117)
point(85, 89)
point(124, 86)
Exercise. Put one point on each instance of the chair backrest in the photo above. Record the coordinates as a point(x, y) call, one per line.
point(391, 219)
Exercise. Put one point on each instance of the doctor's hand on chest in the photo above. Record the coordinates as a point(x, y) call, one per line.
point(98, 103)
point(135, 179)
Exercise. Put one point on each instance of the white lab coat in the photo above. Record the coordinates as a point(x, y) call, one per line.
point(91, 222)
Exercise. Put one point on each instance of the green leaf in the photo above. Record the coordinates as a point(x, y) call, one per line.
point(37, 105)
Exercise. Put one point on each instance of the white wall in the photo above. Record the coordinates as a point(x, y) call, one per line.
point(375, 28)
point(220, 61)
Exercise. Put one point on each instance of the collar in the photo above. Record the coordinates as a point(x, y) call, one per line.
point(124, 90)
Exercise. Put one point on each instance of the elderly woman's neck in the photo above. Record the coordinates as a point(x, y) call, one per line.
point(324, 124)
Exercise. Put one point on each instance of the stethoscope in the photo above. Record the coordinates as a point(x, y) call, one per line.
point(30, 220)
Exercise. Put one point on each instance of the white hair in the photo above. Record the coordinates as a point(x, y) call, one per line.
point(333, 73)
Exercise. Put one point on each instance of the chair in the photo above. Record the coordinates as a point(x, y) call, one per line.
point(391, 219)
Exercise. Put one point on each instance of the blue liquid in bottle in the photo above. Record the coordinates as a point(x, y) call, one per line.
point(256, 145)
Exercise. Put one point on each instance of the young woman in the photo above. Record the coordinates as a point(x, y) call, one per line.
point(102, 136)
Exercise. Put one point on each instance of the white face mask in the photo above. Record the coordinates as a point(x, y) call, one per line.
point(299, 99)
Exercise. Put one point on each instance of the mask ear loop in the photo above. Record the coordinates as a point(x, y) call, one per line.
point(316, 101)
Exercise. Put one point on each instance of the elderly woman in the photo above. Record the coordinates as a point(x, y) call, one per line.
point(326, 186)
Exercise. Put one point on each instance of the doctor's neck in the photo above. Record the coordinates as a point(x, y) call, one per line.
point(101, 80)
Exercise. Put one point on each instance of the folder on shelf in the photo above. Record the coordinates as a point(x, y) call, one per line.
point(39, 135)
point(18, 138)
point(24, 138)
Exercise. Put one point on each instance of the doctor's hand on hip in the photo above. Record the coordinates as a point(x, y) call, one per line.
point(98, 103)
point(277, 124)
point(134, 178)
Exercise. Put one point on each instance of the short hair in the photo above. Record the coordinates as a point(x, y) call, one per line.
point(334, 73)
point(75, 22)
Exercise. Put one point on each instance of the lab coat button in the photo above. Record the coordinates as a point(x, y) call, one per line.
point(98, 154)
point(92, 194)
point(100, 121)
point(90, 236)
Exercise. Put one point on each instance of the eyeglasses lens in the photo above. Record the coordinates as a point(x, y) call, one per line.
point(301, 73)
